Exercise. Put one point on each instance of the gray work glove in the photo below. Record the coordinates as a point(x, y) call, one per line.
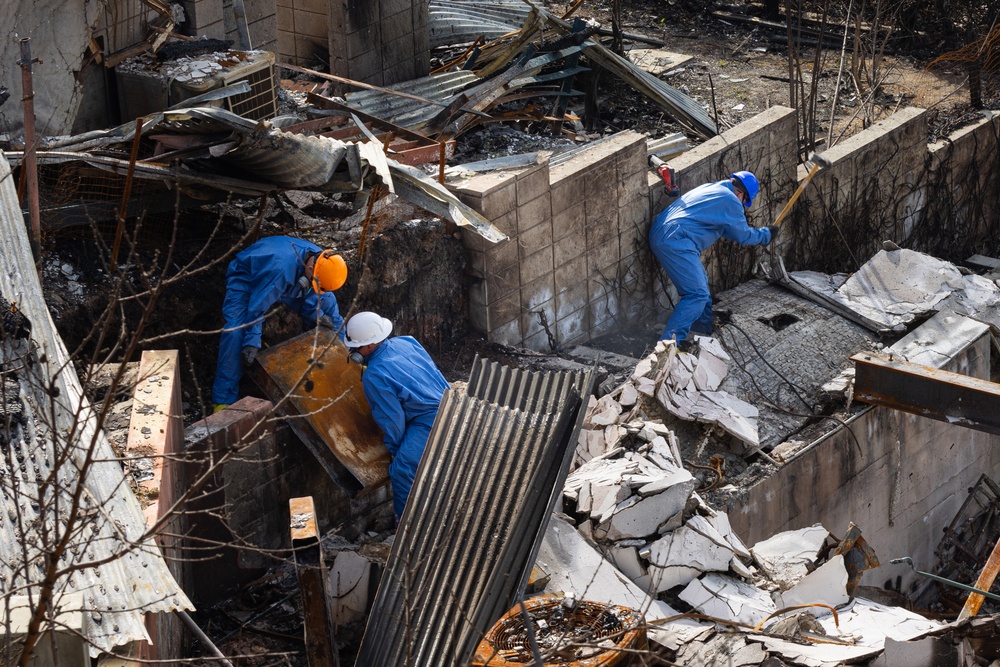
point(249, 353)
point(774, 231)
point(325, 321)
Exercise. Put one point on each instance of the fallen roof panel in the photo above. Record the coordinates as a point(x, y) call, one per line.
point(476, 514)
point(129, 576)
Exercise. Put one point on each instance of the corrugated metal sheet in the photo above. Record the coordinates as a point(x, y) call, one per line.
point(462, 21)
point(409, 113)
point(53, 438)
point(244, 156)
point(494, 462)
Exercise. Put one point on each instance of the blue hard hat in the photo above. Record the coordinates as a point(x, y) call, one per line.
point(750, 184)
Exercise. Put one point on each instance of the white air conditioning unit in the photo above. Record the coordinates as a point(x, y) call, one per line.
point(69, 648)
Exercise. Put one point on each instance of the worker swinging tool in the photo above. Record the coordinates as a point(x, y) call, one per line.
point(815, 163)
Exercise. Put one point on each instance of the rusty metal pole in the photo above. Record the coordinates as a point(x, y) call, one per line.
point(30, 162)
point(983, 583)
point(309, 569)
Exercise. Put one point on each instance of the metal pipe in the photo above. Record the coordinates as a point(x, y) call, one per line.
point(909, 561)
point(240, 14)
point(30, 164)
point(203, 638)
point(126, 193)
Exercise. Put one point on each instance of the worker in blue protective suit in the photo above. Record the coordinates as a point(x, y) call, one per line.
point(403, 388)
point(688, 227)
point(297, 273)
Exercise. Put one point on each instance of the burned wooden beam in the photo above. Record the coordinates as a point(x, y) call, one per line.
point(927, 392)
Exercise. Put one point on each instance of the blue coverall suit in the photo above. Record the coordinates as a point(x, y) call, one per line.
point(258, 277)
point(404, 389)
point(681, 233)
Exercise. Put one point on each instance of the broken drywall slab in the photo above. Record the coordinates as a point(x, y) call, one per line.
point(60, 34)
point(684, 554)
point(787, 557)
point(576, 568)
point(827, 584)
point(728, 598)
point(939, 340)
point(640, 517)
point(925, 652)
point(657, 61)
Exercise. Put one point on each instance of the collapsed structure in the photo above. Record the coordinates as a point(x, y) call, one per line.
point(660, 475)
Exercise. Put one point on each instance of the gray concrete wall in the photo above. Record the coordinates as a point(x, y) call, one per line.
point(899, 477)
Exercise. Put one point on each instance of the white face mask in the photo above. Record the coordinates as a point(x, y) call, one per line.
point(304, 283)
point(355, 357)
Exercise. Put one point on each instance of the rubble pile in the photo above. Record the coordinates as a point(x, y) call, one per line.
point(634, 506)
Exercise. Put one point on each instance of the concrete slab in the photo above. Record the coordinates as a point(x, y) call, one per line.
point(641, 517)
point(348, 580)
point(826, 584)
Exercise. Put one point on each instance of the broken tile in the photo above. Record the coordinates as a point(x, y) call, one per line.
point(645, 386)
point(626, 559)
point(720, 522)
point(722, 596)
point(686, 553)
point(629, 395)
point(786, 557)
point(642, 369)
point(826, 584)
point(584, 499)
point(722, 649)
point(639, 517)
point(710, 372)
point(613, 434)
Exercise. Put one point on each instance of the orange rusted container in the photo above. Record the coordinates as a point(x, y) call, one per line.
point(312, 384)
point(584, 634)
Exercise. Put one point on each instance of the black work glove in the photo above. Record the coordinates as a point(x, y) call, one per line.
point(774, 231)
point(325, 321)
point(249, 353)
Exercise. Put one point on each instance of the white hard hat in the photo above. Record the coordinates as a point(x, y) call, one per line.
point(367, 328)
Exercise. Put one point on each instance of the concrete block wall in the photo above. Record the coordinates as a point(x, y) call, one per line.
point(964, 191)
point(874, 190)
point(215, 19)
point(303, 31)
point(574, 230)
point(379, 41)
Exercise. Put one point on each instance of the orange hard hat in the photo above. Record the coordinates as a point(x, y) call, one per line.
point(329, 272)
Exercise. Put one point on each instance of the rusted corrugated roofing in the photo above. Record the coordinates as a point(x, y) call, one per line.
point(495, 459)
point(50, 434)
point(407, 112)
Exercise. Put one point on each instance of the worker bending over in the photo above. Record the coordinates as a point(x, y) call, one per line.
point(688, 227)
point(276, 268)
point(403, 388)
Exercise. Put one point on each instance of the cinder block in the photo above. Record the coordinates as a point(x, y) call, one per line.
point(535, 212)
point(504, 309)
point(366, 67)
point(201, 14)
point(574, 298)
point(391, 7)
point(505, 222)
point(361, 40)
point(534, 239)
point(603, 260)
point(532, 183)
point(601, 230)
point(309, 24)
point(398, 25)
point(536, 293)
point(259, 10)
point(632, 187)
point(285, 22)
point(540, 342)
point(573, 328)
point(503, 281)
point(314, 6)
point(478, 311)
point(571, 189)
point(570, 273)
point(536, 265)
point(602, 203)
point(397, 50)
point(569, 221)
point(569, 248)
point(477, 262)
point(483, 185)
point(508, 334)
point(502, 255)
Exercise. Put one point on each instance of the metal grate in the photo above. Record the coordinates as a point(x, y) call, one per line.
point(261, 102)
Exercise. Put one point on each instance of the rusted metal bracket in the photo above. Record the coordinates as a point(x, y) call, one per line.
point(307, 549)
point(927, 392)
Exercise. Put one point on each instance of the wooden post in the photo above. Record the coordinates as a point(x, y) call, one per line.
point(307, 549)
point(983, 583)
point(30, 163)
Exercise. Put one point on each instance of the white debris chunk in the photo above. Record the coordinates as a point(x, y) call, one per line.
point(629, 395)
point(643, 368)
point(722, 596)
point(720, 522)
point(710, 372)
point(826, 584)
point(575, 568)
point(639, 517)
point(722, 650)
point(627, 560)
point(645, 386)
point(786, 557)
point(613, 434)
point(347, 586)
point(686, 553)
